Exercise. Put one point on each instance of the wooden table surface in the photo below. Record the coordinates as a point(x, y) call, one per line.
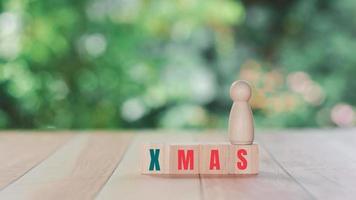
point(294, 164)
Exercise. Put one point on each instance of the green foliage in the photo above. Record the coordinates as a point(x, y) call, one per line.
point(145, 64)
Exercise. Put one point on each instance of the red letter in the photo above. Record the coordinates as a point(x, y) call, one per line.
point(185, 160)
point(214, 159)
point(243, 164)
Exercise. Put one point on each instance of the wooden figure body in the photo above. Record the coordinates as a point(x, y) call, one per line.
point(241, 129)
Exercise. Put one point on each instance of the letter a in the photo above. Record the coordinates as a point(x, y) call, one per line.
point(214, 159)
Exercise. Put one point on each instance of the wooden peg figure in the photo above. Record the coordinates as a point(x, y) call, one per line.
point(241, 128)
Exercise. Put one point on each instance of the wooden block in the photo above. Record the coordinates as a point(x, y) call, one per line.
point(153, 159)
point(183, 159)
point(243, 159)
point(214, 158)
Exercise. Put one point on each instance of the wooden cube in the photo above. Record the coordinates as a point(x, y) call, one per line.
point(183, 158)
point(214, 158)
point(153, 159)
point(244, 159)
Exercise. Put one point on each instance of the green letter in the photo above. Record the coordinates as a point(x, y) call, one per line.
point(154, 159)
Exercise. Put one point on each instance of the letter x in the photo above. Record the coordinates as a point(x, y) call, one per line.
point(154, 153)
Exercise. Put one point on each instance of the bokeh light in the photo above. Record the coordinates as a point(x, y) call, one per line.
point(343, 115)
point(169, 64)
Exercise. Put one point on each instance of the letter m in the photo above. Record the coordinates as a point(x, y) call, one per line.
point(185, 160)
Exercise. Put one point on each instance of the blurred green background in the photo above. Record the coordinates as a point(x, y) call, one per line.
point(110, 64)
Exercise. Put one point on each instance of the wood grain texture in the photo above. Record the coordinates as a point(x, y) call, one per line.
point(271, 182)
point(192, 159)
point(323, 162)
point(251, 157)
point(76, 171)
point(219, 160)
point(128, 183)
point(145, 159)
point(300, 164)
point(19, 153)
